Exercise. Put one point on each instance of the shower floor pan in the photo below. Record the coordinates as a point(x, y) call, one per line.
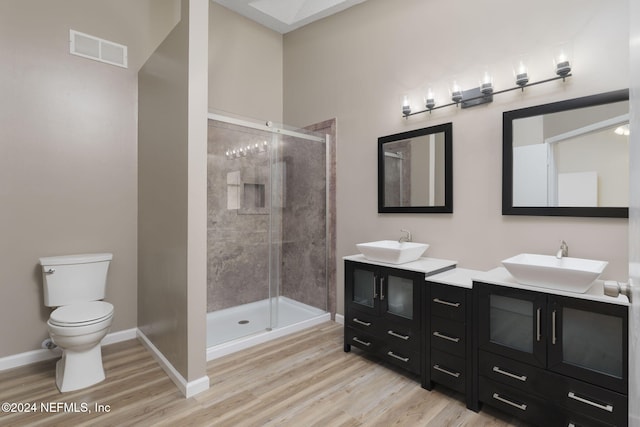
point(236, 328)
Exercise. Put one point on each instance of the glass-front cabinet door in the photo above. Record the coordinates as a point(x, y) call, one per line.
point(386, 291)
point(588, 340)
point(400, 295)
point(512, 323)
point(364, 292)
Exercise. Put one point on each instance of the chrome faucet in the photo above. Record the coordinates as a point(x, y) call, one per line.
point(406, 237)
point(563, 251)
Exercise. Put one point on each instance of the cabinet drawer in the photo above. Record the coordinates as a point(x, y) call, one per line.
point(448, 335)
point(448, 302)
point(399, 335)
point(448, 370)
point(361, 340)
point(407, 359)
point(562, 418)
point(363, 321)
point(516, 374)
point(601, 404)
point(513, 401)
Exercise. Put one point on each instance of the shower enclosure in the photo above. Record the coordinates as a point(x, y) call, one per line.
point(267, 232)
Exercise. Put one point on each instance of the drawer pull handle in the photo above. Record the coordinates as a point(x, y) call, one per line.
point(395, 356)
point(521, 406)
point(446, 337)
point(360, 322)
point(446, 371)
point(397, 335)
point(509, 374)
point(450, 304)
point(608, 408)
point(553, 327)
point(359, 341)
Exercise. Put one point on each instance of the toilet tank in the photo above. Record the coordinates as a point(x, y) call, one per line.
point(71, 279)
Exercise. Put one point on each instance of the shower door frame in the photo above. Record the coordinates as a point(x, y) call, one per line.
point(274, 273)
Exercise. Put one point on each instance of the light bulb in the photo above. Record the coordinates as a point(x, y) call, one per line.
point(406, 105)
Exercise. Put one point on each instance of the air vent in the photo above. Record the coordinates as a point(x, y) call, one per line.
point(98, 49)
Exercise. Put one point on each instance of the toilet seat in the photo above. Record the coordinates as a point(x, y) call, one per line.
point(81, 314)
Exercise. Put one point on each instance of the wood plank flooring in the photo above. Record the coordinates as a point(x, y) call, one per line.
point(304, 379)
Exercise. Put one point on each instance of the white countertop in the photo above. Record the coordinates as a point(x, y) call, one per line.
point(421, 265)
point(461, 277)
point(501, 277)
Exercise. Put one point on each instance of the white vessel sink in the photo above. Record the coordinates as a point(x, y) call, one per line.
point(392, 251)
point(547, 271)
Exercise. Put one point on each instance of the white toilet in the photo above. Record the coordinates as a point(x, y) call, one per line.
point(75, 284)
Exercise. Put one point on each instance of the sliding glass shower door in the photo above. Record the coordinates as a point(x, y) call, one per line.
point(266, 227)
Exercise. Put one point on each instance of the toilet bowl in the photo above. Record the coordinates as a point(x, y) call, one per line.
point(78, 329)
point(75, 286)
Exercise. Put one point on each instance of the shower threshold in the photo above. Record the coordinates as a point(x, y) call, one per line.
point(237, 328)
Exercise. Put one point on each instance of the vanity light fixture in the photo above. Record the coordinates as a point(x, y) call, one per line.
point(406, 105)
point(520, 72)
point(561, 59)
point(456, 93)
point(484, 93)
point(430, 100)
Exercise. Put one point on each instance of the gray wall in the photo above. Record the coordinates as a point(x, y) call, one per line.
point(245, 66)
point(238, 239)
point(172, 194)
point(68, 162)
point(356, 66)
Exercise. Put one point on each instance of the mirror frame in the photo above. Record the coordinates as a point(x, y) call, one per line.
point(507, 158)
point(447, 129)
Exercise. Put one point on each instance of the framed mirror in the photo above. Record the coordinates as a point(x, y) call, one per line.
point(415, 171)
point(568, 158)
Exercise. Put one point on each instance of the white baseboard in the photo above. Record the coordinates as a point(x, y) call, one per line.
point(28, 357)
point(340, 319)
point(188, 388)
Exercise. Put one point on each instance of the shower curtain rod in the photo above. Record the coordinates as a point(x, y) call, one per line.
point(264, 127)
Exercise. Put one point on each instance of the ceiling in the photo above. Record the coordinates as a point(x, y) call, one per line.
point(286, 15)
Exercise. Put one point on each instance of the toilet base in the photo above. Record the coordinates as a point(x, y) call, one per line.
point(79, 369)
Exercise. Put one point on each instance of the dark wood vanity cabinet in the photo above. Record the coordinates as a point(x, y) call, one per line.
point(383, 313)
point(448, 339)
point(550, 359)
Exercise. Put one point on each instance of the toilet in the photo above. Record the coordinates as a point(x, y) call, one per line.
point(75, 285)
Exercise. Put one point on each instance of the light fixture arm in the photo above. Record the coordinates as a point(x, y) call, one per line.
point(484, 98)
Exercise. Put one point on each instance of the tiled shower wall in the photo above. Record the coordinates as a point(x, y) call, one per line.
point(238, 225)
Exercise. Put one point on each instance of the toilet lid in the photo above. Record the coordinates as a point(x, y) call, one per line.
point(82, 313)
